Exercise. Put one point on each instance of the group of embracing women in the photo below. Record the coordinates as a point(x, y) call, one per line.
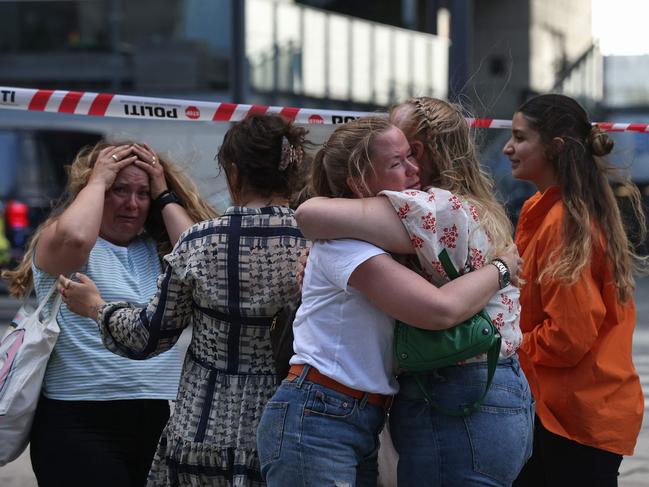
point(139, 257)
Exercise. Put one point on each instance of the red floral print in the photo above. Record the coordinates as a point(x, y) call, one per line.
point(474, 213)
point(477, 259)
point(507, 301)
point(449, 239)
point(403, 211)
point(456, 204)
point(417, 242)
point(434, 227)
point(438, 267)
point(499, 321)
point(429, 222)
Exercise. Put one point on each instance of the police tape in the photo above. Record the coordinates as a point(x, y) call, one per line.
point(140, 107)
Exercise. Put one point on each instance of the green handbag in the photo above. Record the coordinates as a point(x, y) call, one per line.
point(418, 350)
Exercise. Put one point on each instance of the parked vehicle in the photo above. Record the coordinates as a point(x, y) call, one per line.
point(32, 177)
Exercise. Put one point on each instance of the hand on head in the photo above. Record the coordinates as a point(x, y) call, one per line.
point(80, 296)
point(110, 162)
point(149, 163)
point(113, 159)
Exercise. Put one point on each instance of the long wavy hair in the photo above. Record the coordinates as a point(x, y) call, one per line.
point(450, 150)
point(20, 279)
point(592, 215)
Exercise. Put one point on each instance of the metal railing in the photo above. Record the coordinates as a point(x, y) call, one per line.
point(583, 79)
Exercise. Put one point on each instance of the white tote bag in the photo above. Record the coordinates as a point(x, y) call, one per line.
point(24, 352)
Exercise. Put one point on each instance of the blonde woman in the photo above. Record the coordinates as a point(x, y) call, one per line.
point(100, 415)
point(321, 427)
point(457, 214)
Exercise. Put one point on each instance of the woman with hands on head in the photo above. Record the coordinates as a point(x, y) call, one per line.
point(100, 415)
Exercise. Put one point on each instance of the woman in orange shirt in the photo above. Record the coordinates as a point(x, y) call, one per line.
point(578, 312)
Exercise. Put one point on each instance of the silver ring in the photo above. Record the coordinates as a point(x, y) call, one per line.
point(153, 161)
point(115, 158)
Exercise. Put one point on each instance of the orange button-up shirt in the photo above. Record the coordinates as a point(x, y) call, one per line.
point(577, 339)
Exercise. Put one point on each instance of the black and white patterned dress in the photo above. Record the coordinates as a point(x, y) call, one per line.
point(226, 278)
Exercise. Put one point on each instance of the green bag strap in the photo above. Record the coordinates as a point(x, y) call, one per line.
point(492, 356)
point(492, 363)
point(449, 268)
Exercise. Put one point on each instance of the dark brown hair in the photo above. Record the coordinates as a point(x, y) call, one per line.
point(268, 152)
point(591, 211)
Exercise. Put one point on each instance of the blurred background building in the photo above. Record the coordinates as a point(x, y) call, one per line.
point(490, 55)
point(333, 53)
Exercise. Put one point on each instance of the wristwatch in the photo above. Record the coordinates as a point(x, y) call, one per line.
point(504, 277)
point(164, 199)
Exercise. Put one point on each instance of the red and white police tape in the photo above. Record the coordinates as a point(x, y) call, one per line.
point(139, 107)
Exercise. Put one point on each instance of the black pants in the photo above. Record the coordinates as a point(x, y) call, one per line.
point(95, 443)
point(557, 461)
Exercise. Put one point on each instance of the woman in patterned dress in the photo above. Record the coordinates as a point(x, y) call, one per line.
point(100, 416)
point(226, 278)
point(458, 213)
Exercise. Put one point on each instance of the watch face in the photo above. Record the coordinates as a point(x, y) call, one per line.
point(506, 279)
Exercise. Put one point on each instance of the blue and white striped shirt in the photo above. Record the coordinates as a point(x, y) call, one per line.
point(81, 368)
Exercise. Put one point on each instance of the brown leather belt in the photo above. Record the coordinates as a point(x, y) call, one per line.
point(316, 377)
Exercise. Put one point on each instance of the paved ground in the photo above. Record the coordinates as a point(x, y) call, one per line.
point(634, 471)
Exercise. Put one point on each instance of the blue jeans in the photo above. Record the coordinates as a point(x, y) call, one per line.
point(312, 435)
point(489, 447)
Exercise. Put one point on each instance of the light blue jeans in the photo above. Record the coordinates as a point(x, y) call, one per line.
point(489, 447)
point(310, 435)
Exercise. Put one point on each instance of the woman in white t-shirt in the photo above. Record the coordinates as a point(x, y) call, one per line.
point(321, 427)
point(457, 214)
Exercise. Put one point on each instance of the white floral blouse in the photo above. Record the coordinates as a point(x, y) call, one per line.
point(438, 220)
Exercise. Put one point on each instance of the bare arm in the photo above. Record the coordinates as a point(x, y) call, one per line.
point(413, 300)
point(370, 219)
point(64, 245)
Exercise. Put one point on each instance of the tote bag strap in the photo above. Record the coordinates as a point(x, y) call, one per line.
point(55, 306)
